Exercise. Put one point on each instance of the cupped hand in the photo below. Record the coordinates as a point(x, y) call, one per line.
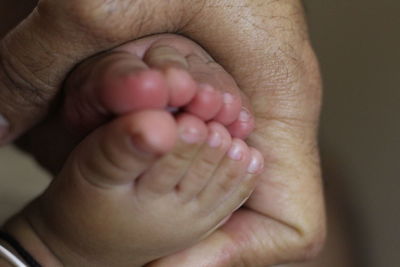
point(263, 44)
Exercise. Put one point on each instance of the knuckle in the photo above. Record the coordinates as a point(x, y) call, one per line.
point(312, 245)
point(24, 85)
point(309, 242)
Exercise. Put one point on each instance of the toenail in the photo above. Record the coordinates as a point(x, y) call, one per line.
point(4, 127)
point(174, 74)
point(236, 151)
point(190, 135)
point(214, 140)
point(255, 165)
point(206, 87)
point(172, 110)
point(228, 98)
point(244, 116)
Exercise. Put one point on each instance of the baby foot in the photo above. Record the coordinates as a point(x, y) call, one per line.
point(166, 71)
point(113, 183)
point(114, 204)
point(163, 71)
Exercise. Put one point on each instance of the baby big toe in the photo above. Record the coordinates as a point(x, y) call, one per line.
point(114, 84)
point(117, 153)
point(166, 173)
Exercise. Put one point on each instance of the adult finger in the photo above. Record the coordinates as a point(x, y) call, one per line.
point(37, 55)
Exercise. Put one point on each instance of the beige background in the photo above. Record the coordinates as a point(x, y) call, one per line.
point(358, 43)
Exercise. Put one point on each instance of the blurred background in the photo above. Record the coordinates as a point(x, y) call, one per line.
point(358, 44)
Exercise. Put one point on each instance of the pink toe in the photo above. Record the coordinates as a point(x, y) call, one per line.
point(206, 104)
point(230, 109)
point(218, 135)
point(239, 150)
point(182, 87)
point(131, 92)
point(256, 164)
point(243, 126)
point(152, 131)
point(191, 129)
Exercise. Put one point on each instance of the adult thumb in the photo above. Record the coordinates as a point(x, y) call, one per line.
point(31, 71)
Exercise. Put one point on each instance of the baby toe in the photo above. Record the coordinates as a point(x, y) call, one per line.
point(206, 162)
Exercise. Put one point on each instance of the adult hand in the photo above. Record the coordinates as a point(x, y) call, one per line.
point(270, 56)
point(263, 44)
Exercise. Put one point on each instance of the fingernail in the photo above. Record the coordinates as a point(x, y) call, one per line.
point(4, 127)
point(256, 164)
point(214, 140)
point(236, 151)
point(244, 116)
point(190, 135)
point(228, 98)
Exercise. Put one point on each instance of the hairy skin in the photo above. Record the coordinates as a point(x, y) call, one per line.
point(262, 43)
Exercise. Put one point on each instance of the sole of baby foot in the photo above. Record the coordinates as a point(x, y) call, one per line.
point(176, 54)
point(121, 82)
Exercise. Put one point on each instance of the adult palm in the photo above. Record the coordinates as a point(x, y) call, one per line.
point(263, 44)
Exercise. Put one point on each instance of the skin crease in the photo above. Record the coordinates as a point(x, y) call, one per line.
point(268, 53)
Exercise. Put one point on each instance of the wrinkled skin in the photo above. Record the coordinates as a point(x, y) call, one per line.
point(267, 51)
